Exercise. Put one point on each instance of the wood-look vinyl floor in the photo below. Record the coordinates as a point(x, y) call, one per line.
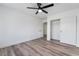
point(40, 47)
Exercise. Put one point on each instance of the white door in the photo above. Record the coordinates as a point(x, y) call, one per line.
point(56, 29)
point(68, 30)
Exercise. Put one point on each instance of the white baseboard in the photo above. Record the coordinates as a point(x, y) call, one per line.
point(77, 45)
point(68, 43)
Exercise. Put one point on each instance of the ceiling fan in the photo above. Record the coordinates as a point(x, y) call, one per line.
point(41, 9)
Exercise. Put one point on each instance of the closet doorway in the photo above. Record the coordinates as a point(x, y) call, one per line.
point(45, 29)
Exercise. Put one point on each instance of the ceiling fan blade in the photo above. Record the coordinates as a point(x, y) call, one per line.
point(36, 12)
point(50, 5)
point(44, 11)
point(39, 4)
point(31, 8)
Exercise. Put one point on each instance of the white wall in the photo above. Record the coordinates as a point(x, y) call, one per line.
point(67, 17)
point(44, 20)
point(16, 27)
point(68, 30)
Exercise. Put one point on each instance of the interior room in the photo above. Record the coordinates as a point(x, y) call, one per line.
point(39, 29)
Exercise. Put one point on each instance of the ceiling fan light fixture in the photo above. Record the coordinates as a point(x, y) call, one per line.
point(39, 10)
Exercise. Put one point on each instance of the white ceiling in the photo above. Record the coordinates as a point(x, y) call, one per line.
point(58, 7)
point(61, 7)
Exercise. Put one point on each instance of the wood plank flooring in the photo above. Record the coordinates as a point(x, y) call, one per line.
point(40, 47)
